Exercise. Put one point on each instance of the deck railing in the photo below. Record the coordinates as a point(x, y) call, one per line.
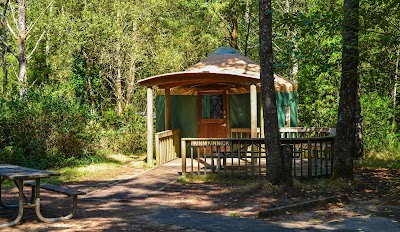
point(311, 156)
point(288, 132)
point(167, 146)
point(306, 132)
point(242, 156)
point(243, 133)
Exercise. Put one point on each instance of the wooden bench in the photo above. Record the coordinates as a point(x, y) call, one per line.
point(62, 190)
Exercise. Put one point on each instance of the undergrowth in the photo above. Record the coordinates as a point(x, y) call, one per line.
point(384, 158)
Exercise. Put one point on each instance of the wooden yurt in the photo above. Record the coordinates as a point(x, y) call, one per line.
point(215, 95)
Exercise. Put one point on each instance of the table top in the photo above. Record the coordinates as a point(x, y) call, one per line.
point(14, 172)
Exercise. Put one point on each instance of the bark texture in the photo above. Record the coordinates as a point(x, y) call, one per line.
point(345, 144)
point(3, 34)
point(21, 41)
point(275, 162)
point(4, 64)
point(234, 33)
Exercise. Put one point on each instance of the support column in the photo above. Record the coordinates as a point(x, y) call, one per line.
point(149, 126)
point(262, 132)
point(167, 108)
point(253, 111)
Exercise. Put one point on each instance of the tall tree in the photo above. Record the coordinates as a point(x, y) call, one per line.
point(345, 144)
point(21, 39)
point(276, 173)
point(3, 36)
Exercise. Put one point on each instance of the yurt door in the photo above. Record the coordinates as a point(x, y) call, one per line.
point(212, 114)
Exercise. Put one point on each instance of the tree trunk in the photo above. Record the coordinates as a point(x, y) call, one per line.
point(118, 91)
point(118, 78)
point(21, 41)
point(345, 143)
point(234, 33)
point(131, 83)
point(89, 82)
point(4, 63)
point(395, 91)
point(359, 124)
point(275, 161)
point(248, 22)
point(4, 50)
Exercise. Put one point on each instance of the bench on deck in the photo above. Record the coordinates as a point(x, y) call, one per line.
point(62, 190)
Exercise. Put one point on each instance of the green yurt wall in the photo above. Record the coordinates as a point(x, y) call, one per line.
point(183, 112)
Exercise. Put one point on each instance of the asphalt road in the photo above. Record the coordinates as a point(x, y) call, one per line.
point(219, 223)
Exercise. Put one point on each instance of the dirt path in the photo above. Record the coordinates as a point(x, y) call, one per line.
point(154, 201)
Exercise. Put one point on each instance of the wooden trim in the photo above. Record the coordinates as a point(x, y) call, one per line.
point(149, 126)
point(227, 114)
point(198, 113)
point(167, 109)
point(253, 111)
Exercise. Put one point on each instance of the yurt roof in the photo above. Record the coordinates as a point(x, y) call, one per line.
point(225, 68)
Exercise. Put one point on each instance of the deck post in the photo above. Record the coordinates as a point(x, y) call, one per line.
point(149, 126)
point(262, 132)
point(253, 110)
point(183, 155)
point(158, 149)
point(167, 109)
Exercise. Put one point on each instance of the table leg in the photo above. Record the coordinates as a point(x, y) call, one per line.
point(6, 206)
point(37, 206)
point(20, 205)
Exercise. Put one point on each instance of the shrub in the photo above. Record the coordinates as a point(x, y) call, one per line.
point(124, 134)
point(43, 129)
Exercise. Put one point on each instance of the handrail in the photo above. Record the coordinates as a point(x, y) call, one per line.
point(287, 132)
point(331, 131)
point(311, 156)
point(167, 146)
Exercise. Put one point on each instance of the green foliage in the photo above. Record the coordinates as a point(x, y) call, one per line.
point(377, 122)
point(87, 44)
point(123, 134)
point(42, 130)
point(387, 158)
point(48, 129)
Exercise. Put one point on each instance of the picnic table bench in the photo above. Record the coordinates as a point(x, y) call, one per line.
point(22, 176)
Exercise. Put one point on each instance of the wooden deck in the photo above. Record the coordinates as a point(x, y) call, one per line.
point(310, 149)
point(311, 157)
point(243, 167)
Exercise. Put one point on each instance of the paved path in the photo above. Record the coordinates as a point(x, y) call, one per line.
point(133, 205)
point(219, 223)
point(151, 183)
point(142, 185)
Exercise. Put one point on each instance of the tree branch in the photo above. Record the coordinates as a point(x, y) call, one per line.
point(37, 19)
point(15, 21)
point(8, 47)
point(8, 25)
point(13, 68)
point(36, 45)
point(5, 7)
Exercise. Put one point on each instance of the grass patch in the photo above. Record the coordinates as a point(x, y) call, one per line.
point(389, 158)
point(113, 166)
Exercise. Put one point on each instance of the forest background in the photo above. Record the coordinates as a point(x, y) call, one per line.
point(82, 100)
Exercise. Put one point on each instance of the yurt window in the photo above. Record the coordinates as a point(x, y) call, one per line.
point(212, 107)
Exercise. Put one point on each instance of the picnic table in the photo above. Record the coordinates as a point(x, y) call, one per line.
point(20, 176)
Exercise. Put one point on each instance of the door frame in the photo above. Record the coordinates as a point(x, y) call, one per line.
point(225, 106)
